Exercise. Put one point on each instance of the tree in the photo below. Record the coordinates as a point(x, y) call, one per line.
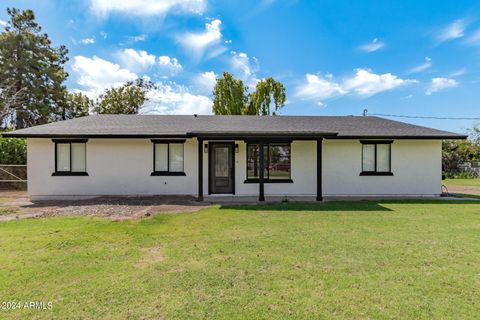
point(231, 97)
point(474, 134)
point(31, 72)
point(126, 99)
point(267, 90)
point(74, 105)
point(456, 152)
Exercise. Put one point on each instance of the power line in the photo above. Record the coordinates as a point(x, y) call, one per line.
point(422, 117)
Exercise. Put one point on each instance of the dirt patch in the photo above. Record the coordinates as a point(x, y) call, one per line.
point(17, 205)
point(473, 190)
point(150, 256)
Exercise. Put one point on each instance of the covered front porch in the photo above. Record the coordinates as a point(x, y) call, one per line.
point(227, 155)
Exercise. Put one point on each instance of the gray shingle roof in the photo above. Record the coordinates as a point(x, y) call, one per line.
point(186, 125)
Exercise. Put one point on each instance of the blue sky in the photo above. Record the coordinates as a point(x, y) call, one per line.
point(334, 57)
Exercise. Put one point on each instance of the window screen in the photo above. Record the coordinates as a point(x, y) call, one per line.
point(383, 157)
point(161, 157)
point(376, 157)
point(175, 159)
point(63, 156)
point(78, 157)
point(70, 157)
point(169, 157)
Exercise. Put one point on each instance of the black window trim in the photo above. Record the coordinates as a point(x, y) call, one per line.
point(267, 156)
point(168, 172)
point(256, 180)
point(375, 172)
point(69, 173)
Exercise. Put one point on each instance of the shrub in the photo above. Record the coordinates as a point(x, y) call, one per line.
point(466, 175)
point(13, 151)
point(461, 175)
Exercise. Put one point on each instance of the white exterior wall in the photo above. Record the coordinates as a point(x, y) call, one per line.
point(114, 166)
point(416, 168)
point(123, 167)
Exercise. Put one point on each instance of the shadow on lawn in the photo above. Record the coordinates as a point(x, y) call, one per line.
point(370, 205)
point(325, 206)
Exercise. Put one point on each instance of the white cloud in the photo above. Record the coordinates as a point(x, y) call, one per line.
point(140, 37)
point(422, 67)
point(474, 39)
point(136, 60)
point(241, 62)
point(365, 83)
point(205, 81)
point(372, 46)
point(458, 73)
point(3, 23)
point(319, 88)
point(103, 34)
point(198, 43)
point(176, 99)
point(141, 61)
point(87, 41)
point(245, 68)
point(452, 31)
point(169, 65)
point(439, 84)
point(214, 52)
point(95, 74)
point(147, 7)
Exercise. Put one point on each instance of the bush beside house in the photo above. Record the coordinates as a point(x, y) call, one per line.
point(13, 151)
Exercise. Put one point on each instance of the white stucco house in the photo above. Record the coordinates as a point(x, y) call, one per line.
point(312, 157)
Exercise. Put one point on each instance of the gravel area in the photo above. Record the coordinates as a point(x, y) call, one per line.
point(16, 205)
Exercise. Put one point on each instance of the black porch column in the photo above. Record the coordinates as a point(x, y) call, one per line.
point(200, 169)
point(319, 170)
point(261, 193)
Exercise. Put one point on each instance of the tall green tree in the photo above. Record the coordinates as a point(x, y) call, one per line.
point(126, 99)
point(73, 105)
point(231, 97)
point(267, 90)
point(31, 72)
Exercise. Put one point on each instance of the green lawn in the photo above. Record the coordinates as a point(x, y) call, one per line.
point(462, 182)
point(377, 260)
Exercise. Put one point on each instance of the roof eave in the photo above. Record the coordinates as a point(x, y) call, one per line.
point(404, 137)
point(237, 135)
point(95, 136)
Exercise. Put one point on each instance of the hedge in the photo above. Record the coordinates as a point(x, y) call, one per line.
point(13, 151)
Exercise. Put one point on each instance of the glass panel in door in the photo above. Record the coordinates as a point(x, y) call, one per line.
point(221, 162)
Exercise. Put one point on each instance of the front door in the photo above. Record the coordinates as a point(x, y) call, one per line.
point(221, 167)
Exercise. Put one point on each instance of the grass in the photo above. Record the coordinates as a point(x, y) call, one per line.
point(466, 195)
point(462, 182)
point(381, 260)
point(8, 210)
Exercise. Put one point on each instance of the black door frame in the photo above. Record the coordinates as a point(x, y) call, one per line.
point(210, 164)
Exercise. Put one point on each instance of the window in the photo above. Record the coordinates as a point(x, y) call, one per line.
point(376, 158)
point(276, 162)
point(70, 158)
point(168, 158)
